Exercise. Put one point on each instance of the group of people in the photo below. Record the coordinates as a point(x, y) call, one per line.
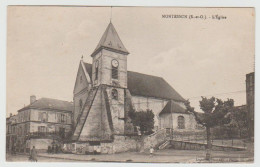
point(32, 153)
point(51, 149)
point(54, 149)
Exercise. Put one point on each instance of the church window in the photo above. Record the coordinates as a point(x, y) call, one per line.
point(115, 65)
point(181, 122)
point(96, 70)
point(114, 94)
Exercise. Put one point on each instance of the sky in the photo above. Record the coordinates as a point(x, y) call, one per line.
point(197, 57)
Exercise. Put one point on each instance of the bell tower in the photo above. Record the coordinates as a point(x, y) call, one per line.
point(109, 66)
point(109, 70)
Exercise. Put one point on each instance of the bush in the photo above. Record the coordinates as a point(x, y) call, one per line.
point(144, 120)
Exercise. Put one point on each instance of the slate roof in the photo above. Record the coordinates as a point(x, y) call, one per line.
point(172, 107)
point(147, 85)
point(52, 104)
point(110, 40)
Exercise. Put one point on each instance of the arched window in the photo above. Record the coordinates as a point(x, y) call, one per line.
point(96, 70)
point(115, 65)
point(181, 122)
point(114, 94)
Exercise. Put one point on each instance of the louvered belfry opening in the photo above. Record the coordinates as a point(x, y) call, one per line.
point(114, 72)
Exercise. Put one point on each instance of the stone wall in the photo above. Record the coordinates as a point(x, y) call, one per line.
point(82, 96)
point(142, 103)
point(170, 120)
point(92, 127)
point(120, 144)
point(117, 109)
point(129, 127)
point(125, 143)
point(181, 145)
point(40, 144)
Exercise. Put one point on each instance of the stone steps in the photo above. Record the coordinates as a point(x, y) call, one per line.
point(164, 145)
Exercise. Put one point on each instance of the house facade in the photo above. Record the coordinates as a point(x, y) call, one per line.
point(40, 124)
point(11, 131)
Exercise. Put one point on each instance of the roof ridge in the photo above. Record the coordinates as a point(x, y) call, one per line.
point(106, 33)
point(146, 74)
point(53, 99)
point(135, 72)
point(103, 38)
point(87, 63)
point(156, 83)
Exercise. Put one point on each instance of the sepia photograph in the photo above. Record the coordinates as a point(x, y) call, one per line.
point(130, 84)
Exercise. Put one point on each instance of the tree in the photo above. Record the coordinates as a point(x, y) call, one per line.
point(214, 113)
point(239, 119)
point(143, 119)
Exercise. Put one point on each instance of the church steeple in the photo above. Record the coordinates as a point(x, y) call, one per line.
point(110, 41)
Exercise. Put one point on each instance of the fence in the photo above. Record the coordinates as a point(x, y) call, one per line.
point(200, 136)
point(46, 135)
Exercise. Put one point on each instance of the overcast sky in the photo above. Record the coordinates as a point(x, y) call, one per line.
point(196, 57)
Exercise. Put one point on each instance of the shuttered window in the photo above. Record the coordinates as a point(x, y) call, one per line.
point(41, 129)
point(43, 116)
point(61, 118)
point(114, 72)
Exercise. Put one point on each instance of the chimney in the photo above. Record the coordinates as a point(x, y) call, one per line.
point(11, 114)
point(32, 99)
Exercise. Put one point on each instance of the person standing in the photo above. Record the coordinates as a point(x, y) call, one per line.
point(151, 151)
point(52, 149)
point(14, 149)
point(34, 154)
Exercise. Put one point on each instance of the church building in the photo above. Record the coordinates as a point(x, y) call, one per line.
point(105, 91)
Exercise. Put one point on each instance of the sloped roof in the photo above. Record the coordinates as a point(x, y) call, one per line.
point(172, 107)
point(110, 40)
point(147, 85)
point(47, 103)
point(89, 69)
